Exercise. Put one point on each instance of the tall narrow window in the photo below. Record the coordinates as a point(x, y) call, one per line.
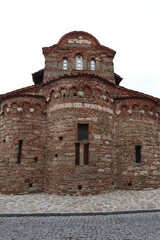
point(19, 151)
point(82, 146)
point(65, 63)
point(86, 153)
point(138, 153)
point(79, 62)
point(93, 64)
point(77, 153)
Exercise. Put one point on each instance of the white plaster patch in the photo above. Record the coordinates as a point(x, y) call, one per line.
point(142, 112)
point(31, 110)
point(79, 41)
point(130, 111)
point(97, 136)
point(101, 170)
point(19, 109)
point(81, 93)
point(118, 112)
point(103, 97)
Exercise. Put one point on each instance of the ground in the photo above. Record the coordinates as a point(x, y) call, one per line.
point(137, 226)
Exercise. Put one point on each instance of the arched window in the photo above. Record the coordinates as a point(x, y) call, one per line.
point(65, 63)
point(93, 64)
point(79, 62)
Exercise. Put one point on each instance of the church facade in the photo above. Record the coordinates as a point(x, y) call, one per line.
point(76, 130)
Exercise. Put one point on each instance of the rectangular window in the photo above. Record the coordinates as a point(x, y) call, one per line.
point(82, 132)
point(19, 151)
point(77, 154)
point(138, 153)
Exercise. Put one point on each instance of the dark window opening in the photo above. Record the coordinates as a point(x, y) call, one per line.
point(138, 153)
point(60, 138)
point(36, 159)
point(30, 184)
point(129, 184)
point(82, 132)
point(56, 155)
point(19, 151)
point(77, 155)
point(79, 187)
point(86, 154)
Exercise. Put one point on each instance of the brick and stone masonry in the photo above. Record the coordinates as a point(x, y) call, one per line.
point(76, 130)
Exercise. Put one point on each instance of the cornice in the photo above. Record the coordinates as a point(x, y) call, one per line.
point(80, 75)
point(131, 94)
point(21, 92)
point(23, 96)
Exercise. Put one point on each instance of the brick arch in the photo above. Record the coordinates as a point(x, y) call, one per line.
point(107, 93)
point(135, 107)
point(62, 91)
point(14, 105)
point(108, 97)
point(124, 108)
point(5, 106)
point(73, 91)
point(26, 106)
point(37, 109)
point(51, 92)
point(153, 110)
point(145, 107)
point(87, 91)
point(98, 93)
point(51, 96)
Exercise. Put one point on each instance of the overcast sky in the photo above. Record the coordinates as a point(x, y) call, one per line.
point(130, 27)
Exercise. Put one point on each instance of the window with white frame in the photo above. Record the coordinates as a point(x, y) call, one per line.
point(79, 62)
point(65, 63)
point(93, 64)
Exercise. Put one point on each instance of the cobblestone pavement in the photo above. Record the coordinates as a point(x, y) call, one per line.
point(108, 202)
point(139, 226)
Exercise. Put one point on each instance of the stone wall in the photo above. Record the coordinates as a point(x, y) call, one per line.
point(84, 45)
point(39, 141)
point(70, 104)
point(136, 123)
point(22, 118)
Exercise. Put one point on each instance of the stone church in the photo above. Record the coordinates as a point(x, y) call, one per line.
point(76, 130)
